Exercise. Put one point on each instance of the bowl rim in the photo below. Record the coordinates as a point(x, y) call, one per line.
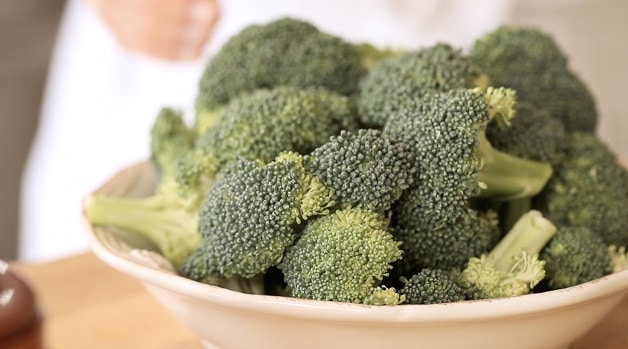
point(610, 285)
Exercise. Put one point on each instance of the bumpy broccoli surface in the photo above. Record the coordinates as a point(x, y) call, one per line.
point(589, 189)
point(394, 82)
point(512, 267)
point(343, 257)
point(531, 62)
point(431, 286)
point(456, 161)
point(532, 134)
point(364, 169)
point(286, 51)
point(170, 140)
point(168, 219)
point(449, 245)
point(264, 123)
point(250, 214)
point(574, 256)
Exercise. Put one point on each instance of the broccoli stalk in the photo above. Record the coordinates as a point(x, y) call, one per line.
point(165, 219)
point(503, 176)
point(169, 218)
point(507, 177)
point(513, 267)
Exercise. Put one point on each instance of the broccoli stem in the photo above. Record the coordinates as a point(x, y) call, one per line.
point(512, 210)
point(530, 233)
point(173, 229)
point(506, 177)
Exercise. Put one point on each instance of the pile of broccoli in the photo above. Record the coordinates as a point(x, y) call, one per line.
point(324, 169)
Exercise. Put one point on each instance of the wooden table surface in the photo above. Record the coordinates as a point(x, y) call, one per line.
point(87, 304)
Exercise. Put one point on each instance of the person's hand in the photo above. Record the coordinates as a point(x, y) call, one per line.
point(167, 29)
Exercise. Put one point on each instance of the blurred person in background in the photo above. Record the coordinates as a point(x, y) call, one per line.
point(117, 62)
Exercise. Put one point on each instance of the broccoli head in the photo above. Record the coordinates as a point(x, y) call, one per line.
point(530, 61)
point(533, 134)
point(364, 169)
point(589, 189)
point(394, 82)
point(449, 245)
point(431, 286)
point(343, 257)
point(574, 256)
point(286, 51)
point(170, 140)
point(264, 123)
point(250, 216)
point(455, 160)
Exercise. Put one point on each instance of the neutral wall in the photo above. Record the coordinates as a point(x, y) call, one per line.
point(592, 32)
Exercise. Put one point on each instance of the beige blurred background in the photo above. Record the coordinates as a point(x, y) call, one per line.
point(593, 33)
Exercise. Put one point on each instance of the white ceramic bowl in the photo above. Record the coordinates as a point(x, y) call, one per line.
point(231, 320)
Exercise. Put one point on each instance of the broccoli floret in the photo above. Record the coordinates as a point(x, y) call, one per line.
point(394, 82)
point(456, 162)
point(364, 169)
point(431, 286)
point(170, 139)
point(286, 51)
point(512, 267)
point(531, 62)
point(574, 256)
point(250, 216)
point(589, 189)
point(343, 257)
point(532, 134)
point(167, 218)
point(264, 123)
point(449, 245)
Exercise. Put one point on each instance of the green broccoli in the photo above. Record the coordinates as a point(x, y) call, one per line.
point(170, 139)
point(167, 218)
point(286, 51)
point(574, 256)
point(371, 55)
point(250, 216)
point(431, 286)
point(264, 123)
point(589, 189)
point(364, 169)
point(343, 257)
point(619, 258)
point(456, 161)
point(448, 245)
point(532, 134)
point(531, 62)
point(394, 82)
point(512, 267)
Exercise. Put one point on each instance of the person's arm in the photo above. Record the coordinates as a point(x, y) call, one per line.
point(166, 29)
